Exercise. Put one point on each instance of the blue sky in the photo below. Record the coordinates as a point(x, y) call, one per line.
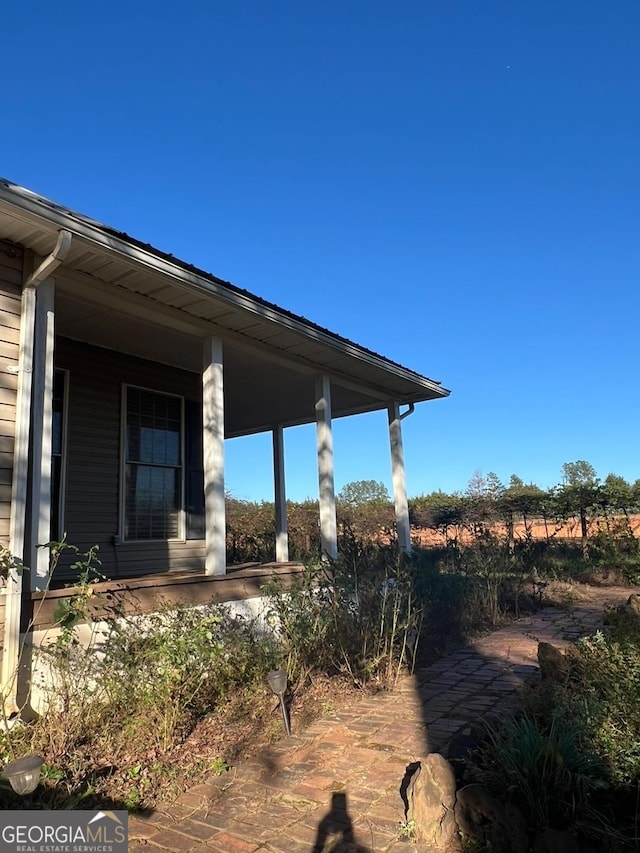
point(452, 184)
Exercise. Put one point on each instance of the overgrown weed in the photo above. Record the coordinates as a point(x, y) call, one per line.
point(355, 617)
point(123, 711)
point(119, 706)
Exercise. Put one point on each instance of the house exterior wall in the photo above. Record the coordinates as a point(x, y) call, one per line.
point(10, 295)
point(93, 461)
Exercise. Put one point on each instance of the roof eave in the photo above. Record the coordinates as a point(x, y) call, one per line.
point(107, 239)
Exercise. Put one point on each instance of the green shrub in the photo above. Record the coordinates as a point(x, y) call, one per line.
point(617, 548)
point(546, 772)
point(601, 696)
point(606, 697)
point(600, 704)
point(444, 596)
point(120, 707)
point(465, 590)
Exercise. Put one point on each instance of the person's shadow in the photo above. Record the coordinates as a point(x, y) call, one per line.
point(337, 823)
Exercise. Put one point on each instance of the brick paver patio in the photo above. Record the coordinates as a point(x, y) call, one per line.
point(340, 779)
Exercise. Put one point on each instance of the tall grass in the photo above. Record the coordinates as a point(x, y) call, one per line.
point(357, 617)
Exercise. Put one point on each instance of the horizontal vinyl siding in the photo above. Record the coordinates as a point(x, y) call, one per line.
point(10, 297)
point(7, 419)
point(91, 513)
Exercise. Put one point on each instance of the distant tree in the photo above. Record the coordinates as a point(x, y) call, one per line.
point(438, 511)
point(579, 473)
point(364, 507)
point(507, 508)
point(480, 508)
point(494, 486)
point(617, 494)
point(477, 485)
point(580, 492)
point(520, 500)
point(449, 514)
point(360, 492)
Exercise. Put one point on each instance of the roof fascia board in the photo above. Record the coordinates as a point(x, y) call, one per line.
point(96, 235)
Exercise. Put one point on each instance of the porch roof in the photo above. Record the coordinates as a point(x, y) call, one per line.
point(116, 292)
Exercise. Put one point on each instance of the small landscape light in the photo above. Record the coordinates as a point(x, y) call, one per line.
point(24, 773)
point(277, 680)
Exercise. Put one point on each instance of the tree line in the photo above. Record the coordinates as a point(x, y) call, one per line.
point(581, 496)
point(364, 507)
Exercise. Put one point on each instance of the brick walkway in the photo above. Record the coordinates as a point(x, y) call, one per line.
point(341, 778)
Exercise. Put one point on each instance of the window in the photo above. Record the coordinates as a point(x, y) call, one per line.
point(164, 481)
point(58, 443)
point(153, 465)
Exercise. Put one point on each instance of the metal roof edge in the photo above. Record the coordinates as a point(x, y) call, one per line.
point(145, 254)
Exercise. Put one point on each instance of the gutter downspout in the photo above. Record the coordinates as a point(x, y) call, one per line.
point(410, 411)
point(19, 485)
point(52, 262)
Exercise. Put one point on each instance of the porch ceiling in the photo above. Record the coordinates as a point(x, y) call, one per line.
point(115, 292)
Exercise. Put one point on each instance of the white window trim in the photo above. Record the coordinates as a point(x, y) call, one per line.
point(123, 465)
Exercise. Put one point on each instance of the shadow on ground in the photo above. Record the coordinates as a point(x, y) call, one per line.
point(341, 785)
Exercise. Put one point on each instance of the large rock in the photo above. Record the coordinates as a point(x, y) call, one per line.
point(633, 604)
point(629, 611)
point(482, 818)
point(431, 795)
point(554, 666)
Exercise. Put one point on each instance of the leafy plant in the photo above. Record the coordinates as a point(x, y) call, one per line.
point(606, 697)
point(74, 609)
point(8, 564)
point(547, 773)
point(218, 766)
point(408, 830)
point(591, 724)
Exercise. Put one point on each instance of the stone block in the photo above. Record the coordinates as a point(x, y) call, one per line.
point(431, 795)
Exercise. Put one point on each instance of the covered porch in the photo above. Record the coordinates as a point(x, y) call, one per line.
point(141, 366)
point(132, 369)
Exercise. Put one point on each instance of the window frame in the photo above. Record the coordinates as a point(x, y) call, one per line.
point(191, 455)
point(124, 461)
point(57, 535)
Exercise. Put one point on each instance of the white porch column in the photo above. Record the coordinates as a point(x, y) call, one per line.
point(280, 495)
point(328, 524)
point(19, 490)
point(42, 415)
point(399, 480)
point(213, 457)
point(19, 483)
